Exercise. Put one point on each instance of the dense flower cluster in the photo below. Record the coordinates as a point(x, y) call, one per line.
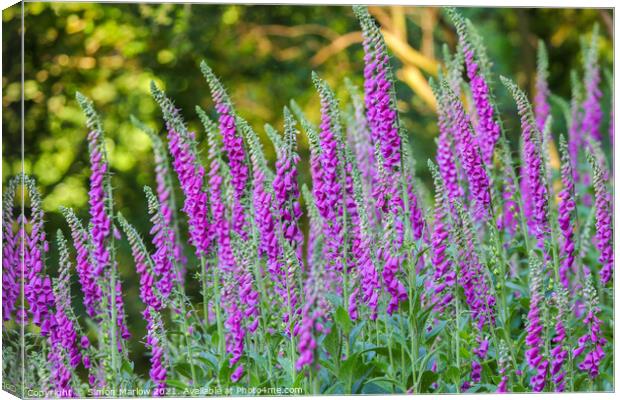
point(382, 296)
point(534, 339)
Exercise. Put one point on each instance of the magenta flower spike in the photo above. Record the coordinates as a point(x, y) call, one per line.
point(163, 242)
point(566, 211)
point(149, 293)
point(313, 317)
point(155, 341)
point(537, 195)
point(469, 154)
point(266, 220)
point(165, 193)
point(592, 113)
point(604, 213)
point(37, 285)
point(472, 277)
point(559, 354)
point(190, 172)
point(382, 117)
point(286, 187)
point(234, 147)
point(534, 339)
point(593, 339)
point(85, 266)
point(330, 198)
point(444, 271)
point(11, 276)
point(487, 127)
point(542, 109)
point(445, 157)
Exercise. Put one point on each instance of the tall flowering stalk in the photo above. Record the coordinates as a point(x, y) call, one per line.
point(592, 113)
point(240, 302)
point(234, 147)
point(445, 157)
point(163, 241)
point(314, 316)
point(604, 228)
point(156, 341)
point(537, 194)
point(471, 275)
point(266, 220)
point(101, 211)
point(444, 272)
point(566, 208)
point(541, 100)
point(330, 199)
point(11, 276)
point(593, 339)
point(575, 139)
point(37, 284)
point(165, 192)
point(191, 174)
point(358, 135)
point(365, 267)
point(487, 128)
point(559, 353)
point(85, 265)
point(149, 293)
point(286, 188)
point(534, 339)
point(382, 117)
point(65, 354)
point(469, 153)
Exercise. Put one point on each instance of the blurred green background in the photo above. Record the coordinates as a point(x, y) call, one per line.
point(263, 54)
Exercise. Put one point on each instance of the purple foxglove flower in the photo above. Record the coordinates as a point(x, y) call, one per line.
point(566, 209)
point(144, 266)
point(382, 117)
point(542, 108)
point(266, 223)
point(155, 342)
point(538, 197)
point(592, 113)
point(64, 313)
point(314, 313)
point(469, 154)
point(604, 228)
point(445, 155)
point(575, 140)
point(487, 127)
point(37, 285)
point(165, 193)
point(472, 278)
point(330, 197)
point(593, 340)
point(191, 174)
point(444, 274)
point(364, 272)
point(559, 355)
point(416, 218)
point(60, 374)
point(286, 187)
point(91, 290)
point(163, 241)
point(534, 339)
point(10, 252)
point(233, 145)
point(359, 138)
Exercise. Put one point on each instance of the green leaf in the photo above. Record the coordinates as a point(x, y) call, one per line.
point(343, 320)
point(176, 384)
point(428, 377)
point(452, 375)
point(184, 369)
